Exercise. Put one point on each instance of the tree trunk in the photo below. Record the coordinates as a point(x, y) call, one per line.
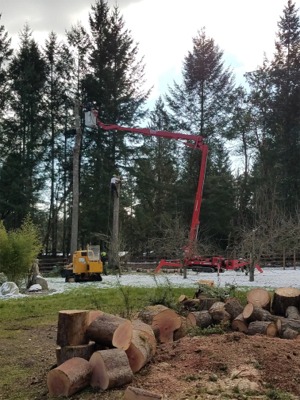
point(259, 297)
point(71, 329)
point(76, 169)
point(141, 349)
point(102, 329)
point(114, 261)
point(163, 319)
point(70, 377)
point(110, 369)
point(283, 298)
point(83, 351)
point(133, 393)
point(262, 327)
point(252, 313)
point(239, 324)
point(203, 319)
point(233, 307)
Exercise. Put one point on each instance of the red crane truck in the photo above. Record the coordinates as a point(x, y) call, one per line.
point(190, 260)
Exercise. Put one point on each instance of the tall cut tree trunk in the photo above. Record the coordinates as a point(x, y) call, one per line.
point(76, 167)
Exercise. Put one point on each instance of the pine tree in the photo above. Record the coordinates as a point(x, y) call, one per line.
point(5, 55)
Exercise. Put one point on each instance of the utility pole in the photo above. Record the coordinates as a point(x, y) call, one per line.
point(113, 256)
point(76, 167)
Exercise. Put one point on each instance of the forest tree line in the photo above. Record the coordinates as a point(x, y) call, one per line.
point(250, 209)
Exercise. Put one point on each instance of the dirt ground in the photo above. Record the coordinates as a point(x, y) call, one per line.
point(227, 366)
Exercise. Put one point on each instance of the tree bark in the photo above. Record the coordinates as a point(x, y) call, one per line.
point(141, 349)
point(233, 307)
point(252, 313)
point(71, 329)
point(110, 369)
point(218, 313)
point(70, 377)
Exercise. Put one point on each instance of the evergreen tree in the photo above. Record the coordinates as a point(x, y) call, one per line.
point(5, 55)
point(26, 127)
point(200, 104)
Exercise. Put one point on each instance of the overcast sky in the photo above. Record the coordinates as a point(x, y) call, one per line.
point(164, 29)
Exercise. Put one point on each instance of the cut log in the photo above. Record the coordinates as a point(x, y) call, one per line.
point(259, 297)
point(182, 331)
point(233, 307)
point(252, 313)
point(203, 319)
point(239, 324)
point(82, 351)
point(102, 329)
point(267, 328)
point(283, 298)
point(94, 314)
point(69, 378)
point(146, 331)
point(163, 319)
point(71, 329)
point(284, 323)
point(191, 304)
point(133, 393)
point(110, 369)
point(182, 298)
point(206, 282)
point(292, 312)
point(141, 350)
point(218, 313)
point(122, 335)
point(289, 333)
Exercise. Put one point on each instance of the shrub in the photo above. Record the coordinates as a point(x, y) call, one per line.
point(18, 250)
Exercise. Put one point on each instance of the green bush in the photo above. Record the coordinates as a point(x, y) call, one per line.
point(18, 250)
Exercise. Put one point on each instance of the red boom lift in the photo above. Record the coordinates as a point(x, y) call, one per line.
point(190, 260)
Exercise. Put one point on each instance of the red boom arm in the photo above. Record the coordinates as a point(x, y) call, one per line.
point(193, 141)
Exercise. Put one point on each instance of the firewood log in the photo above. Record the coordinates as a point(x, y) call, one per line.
point(94, 314)
point(182, 298)
point(205, 302)
point(122, 335)
point(259, 297)
point(233, 307)
point(134, 393)
point(66, 352)
point(191, 304)
point(102, 329)
point(182, 330)
point(267, 328)
point(70, 377)
point(292, 312)
point(110, 369)
point(239, 324)
point(203, 319)
point(253, 313)
point(71, 329)
point(283, 298)
point(289, 333)
point(163, 319)
point(218, 313)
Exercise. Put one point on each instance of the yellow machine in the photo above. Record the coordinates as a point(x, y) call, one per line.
point(86, 266)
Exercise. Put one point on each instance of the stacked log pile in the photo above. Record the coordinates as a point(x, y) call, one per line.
point(104, 351)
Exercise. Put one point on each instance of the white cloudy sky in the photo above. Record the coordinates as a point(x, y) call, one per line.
point(164, 29)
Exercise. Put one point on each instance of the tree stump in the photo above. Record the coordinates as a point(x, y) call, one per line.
point(70, 377)
point(102, 329)
point(233, 307)
point(110, 368)
point(252, 313)
point(203, 319)
point(163, 319)
point(259, 297)
point(267, 328)
point(72, 325)
point(82, 351)
point(239, 324)
point(283, 298)
point(133, 393)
